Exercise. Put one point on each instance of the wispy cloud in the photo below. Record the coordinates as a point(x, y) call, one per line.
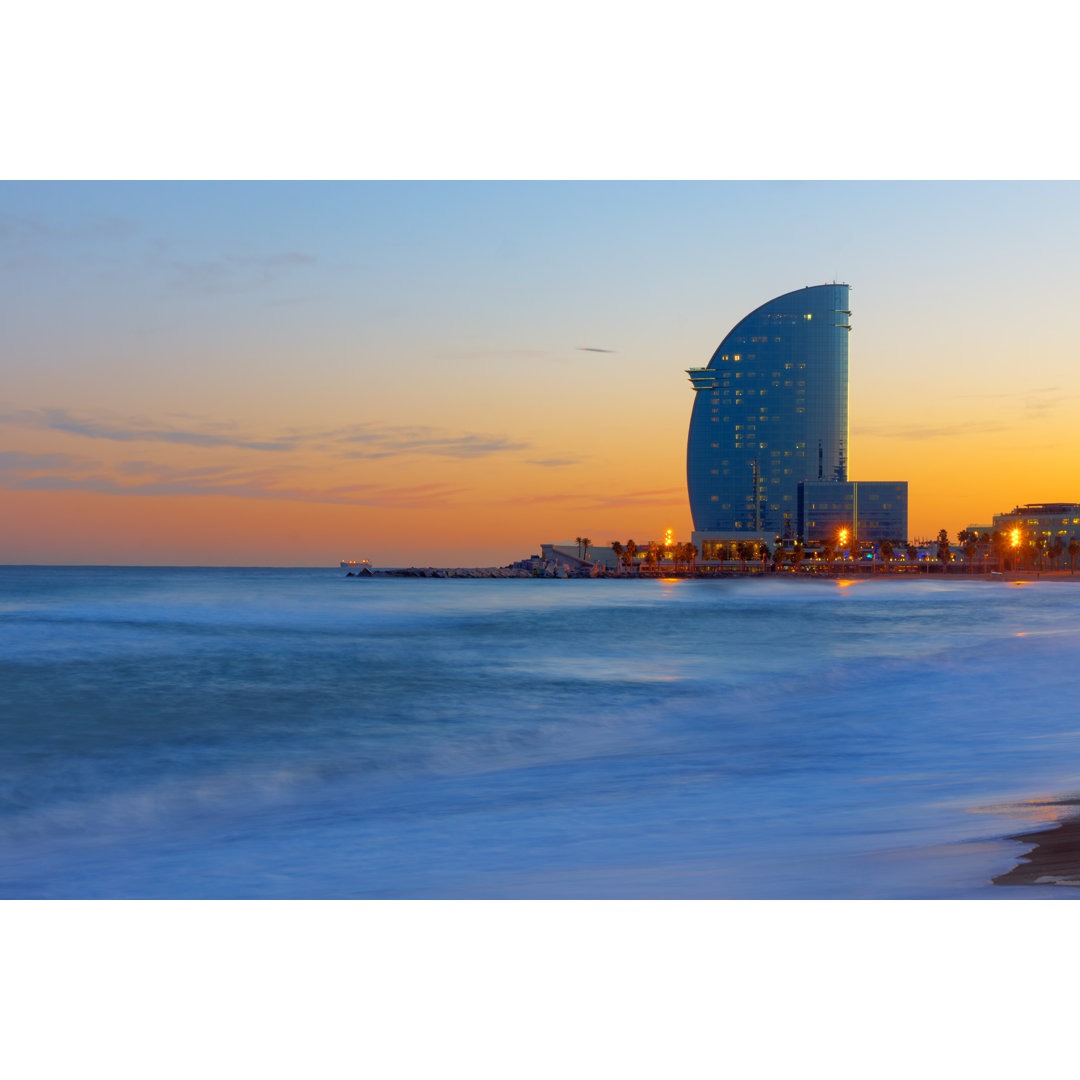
point(27, 243)
point(17, 461)
point(553, 463)
point(932, 431)
point(239, 273)
point(593, 348)
point(358, 441)
point(382, 441)
point(1036, 401)
point(495, 354)
point(18, 227)
point(423, 496)
point(611, 501)
point(131, 430)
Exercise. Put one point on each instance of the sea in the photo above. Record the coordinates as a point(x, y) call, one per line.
point(224, 733)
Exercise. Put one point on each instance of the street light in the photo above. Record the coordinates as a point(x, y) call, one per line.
point(1015, 541)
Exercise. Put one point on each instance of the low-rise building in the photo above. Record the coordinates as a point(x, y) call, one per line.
point(1051, 521)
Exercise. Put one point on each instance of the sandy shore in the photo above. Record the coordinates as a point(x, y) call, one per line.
point(1055, 859)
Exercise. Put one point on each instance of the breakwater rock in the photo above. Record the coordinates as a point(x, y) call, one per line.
point(550, 571)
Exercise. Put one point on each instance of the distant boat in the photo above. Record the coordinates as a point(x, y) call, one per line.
point(363, 566)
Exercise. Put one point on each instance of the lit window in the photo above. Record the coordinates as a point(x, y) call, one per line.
point(808, 317)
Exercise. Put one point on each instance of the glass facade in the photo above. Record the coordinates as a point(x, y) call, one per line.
point(770, 411)
point(870, 510)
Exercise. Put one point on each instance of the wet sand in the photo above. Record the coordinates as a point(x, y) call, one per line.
point(1055, 859)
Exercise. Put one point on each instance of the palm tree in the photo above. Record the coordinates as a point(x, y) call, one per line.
point(577, 540)
point(763, 551)
point(943, 552)
point(778, 556)
point(691, 555)
point(1040, 549)
point(618, 549)
point(798, 553)
point(829, 552)
point(886, 553)
point(631, 551)
point(912, 553)
point(652, 555)
point(1074, 550)
point(970, 547)
point(997, 545)
point(586, 543)
point(1057, 549)
point(745, 551)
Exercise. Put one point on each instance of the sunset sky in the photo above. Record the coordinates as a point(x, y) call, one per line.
point(452, 373)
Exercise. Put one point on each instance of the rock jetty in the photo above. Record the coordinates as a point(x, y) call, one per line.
point(546, 570)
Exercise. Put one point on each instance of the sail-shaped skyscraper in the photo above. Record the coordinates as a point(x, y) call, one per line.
point(771, 414)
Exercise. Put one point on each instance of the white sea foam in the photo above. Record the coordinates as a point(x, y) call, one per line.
point(185, 733)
